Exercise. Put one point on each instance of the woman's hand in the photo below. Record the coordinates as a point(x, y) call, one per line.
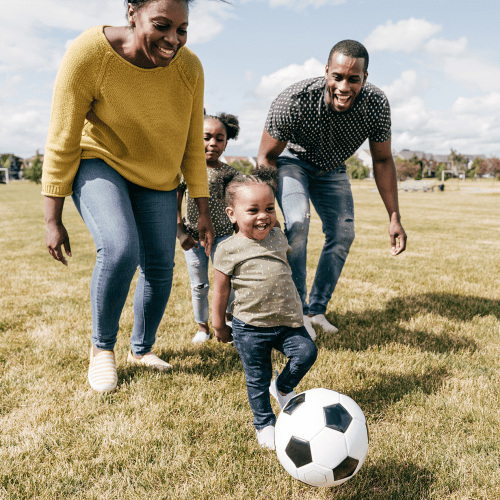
point(185, 239)
point(205, 228)
point(56, 237)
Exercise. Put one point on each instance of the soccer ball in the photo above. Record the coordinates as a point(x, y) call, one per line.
point(321, 437)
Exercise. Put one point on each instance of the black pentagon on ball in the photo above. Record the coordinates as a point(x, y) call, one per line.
point(299, 451)
point(345, 469)
point(337, 417)
point(294, 403)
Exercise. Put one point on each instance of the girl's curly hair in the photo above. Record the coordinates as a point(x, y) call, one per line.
point(230, 122)
point(258, 175)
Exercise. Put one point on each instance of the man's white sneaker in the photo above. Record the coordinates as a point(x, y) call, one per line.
point(265, 437)
point(308, 326)
point(321, 321)
point(273, 390)
point(200, 337)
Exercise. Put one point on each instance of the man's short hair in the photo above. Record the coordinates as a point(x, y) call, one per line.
point(351, 48)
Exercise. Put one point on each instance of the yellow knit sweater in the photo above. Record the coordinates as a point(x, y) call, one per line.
point(147, 124)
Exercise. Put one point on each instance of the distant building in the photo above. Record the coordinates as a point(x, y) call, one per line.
point(241, 159)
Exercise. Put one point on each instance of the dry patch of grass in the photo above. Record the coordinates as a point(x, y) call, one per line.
point(418, 349)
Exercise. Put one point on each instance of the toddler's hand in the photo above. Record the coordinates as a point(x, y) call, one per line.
point(224, 334)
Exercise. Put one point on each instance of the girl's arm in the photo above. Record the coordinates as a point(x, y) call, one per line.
point(186, 240)
point(220, 298)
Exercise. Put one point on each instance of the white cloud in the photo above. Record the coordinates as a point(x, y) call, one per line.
point(470, 126)
point(474, 71)
point(302, 4)
point(479, 104)
point(441, 47)
point(23, 128)
point(403, 87)
point(205, 21)
point(271, 85)
point(407, 35)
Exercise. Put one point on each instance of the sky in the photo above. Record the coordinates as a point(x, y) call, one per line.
point(437, 61)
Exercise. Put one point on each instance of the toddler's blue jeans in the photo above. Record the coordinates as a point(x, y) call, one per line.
point(131, 226)
point(254, 345)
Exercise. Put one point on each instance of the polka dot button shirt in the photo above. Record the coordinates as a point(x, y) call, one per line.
point(320, 136)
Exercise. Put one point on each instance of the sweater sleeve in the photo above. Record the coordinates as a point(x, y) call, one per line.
point(194, 166)
point(75, 89)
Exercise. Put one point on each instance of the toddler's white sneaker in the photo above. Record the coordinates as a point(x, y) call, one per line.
point(273, 390)
point(265, 437)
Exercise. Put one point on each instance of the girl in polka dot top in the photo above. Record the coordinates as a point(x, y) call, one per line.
point(217, 131)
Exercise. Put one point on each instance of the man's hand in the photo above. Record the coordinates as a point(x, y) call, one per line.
point(397, 235)
point(224, 334)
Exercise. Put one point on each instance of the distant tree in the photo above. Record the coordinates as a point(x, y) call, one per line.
point(405, 169)
point(34, 173)
point(439, 168)
point(355, 168)
point(494, 166)
point(476, 168)
point(6, 161)
point(243, 166)
point(459, 161)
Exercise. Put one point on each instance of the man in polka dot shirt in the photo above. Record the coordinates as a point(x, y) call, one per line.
point(312, 128)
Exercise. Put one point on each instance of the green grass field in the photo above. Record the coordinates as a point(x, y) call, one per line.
point(418, 349)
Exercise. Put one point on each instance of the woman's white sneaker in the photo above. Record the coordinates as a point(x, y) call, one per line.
point(102, 371)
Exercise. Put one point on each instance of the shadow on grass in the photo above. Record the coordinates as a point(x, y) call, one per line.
point(391, 479)
point(210, 361)
point(385, 389)
point(358, 331)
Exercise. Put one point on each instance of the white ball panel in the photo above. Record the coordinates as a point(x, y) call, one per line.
point(307, 421)
point(356, 437)
point(352, 407)
point(287, 464)
point(322, 397)
point(283, 430)
point(315, 475)
point(328, 448)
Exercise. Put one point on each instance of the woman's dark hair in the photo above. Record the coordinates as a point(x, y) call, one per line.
point(230, 122)
point(259, 175)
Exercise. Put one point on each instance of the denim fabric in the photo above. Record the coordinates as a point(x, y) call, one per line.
point(330, 193)
point(131, 226)
point(197, 265)
point(254, 345)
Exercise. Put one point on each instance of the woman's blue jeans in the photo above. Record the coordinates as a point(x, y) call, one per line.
point(254, 345)
point(197, 265)
point(330, 193)
point(131, 226)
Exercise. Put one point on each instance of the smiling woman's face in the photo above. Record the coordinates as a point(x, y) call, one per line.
point(160, 30)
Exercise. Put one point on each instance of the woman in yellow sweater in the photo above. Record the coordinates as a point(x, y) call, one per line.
point(126, 123)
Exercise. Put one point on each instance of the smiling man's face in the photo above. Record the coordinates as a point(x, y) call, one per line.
point(345, 76)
